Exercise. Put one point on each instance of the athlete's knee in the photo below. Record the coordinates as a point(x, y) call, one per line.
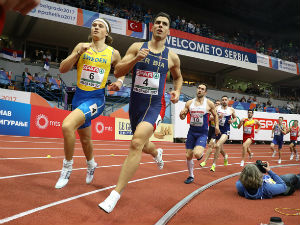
point(189, 155)
point(245, 145)
point(67, 127)
point(136, 144)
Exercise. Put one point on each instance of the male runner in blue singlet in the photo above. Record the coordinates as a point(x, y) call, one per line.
point(199, 109)
point(150, 62)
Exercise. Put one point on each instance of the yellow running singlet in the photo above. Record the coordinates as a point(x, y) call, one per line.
point(93, 69)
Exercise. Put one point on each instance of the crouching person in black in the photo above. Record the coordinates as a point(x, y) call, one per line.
point(258, 181)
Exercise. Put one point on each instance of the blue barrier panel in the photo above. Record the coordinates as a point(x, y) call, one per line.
point(14, 118)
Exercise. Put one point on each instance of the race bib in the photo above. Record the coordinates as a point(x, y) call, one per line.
point(222, 121)
point(92, 76)
point(146, 82)
point(293, 133)
point(247, 130)
point(197, 120)
point(277, 131)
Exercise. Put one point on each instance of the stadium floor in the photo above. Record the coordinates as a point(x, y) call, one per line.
point(30, 167)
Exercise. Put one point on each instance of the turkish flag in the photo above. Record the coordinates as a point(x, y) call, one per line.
point(134, 26)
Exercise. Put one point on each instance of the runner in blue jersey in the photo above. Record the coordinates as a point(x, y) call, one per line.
point(199, 109)
point(225, 113)
point(150, 63)
point(278, 131)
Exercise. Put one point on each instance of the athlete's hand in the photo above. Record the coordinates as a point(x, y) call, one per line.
point(22, 6)
point(229, 121)
point(174, 96)
point(115, 86)
point(84, 47)
point(217, 131)
point(256, 131)
point(182, 114)
point(142, 53)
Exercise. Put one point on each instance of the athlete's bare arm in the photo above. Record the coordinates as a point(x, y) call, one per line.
point(215, 115)
point(174, 66)
point(116, 86)
point(132, 56)
point(185, 110)
point(272, 135)
point(233, 116)
point(241, 123)
point(259, 126)
point(68, 63)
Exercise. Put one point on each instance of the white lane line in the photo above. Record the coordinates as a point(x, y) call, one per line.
point(58, 171)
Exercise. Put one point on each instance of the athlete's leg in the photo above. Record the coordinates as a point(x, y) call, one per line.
point(208, 151)
point(198, 152)
point(87, 146)
point(272, 146)
point(292, 149)
point(190, 165)
point(141, 136)
point(70, 124)
point(219, 144)
point(86, 142)
point(246, 145)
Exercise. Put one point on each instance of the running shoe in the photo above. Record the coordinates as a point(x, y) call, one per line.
point(274, 153)
point(65, 174)
point(292, 156)
point(202, 164)
point(226, 160)
point(90, 173)
point(213, 168)
point(110, 202)
point(189, 180)
point(242, 163)
point(158, 159)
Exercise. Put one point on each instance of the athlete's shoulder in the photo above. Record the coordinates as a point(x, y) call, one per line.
point(137, 45)
point(173, 55)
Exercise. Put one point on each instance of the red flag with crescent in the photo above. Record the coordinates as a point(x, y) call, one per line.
point(134, 26)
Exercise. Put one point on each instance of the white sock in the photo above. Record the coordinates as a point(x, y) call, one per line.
point(91, 162)
point(190, 165)
point(68, 162)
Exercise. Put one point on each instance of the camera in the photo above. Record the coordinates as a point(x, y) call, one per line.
point(260, 165)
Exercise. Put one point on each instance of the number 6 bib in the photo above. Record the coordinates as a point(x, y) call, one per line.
point(92, 76)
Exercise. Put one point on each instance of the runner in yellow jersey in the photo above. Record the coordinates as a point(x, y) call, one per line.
point(94, 61)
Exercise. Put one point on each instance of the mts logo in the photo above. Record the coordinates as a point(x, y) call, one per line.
point(267, 124)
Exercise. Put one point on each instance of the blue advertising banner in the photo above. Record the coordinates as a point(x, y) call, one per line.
point(14, 118)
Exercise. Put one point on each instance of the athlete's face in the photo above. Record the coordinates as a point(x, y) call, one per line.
point(280, 121)
point(98, 30)
point(296, 123)
point(217, 103)
point(201, 91)
point(161, 28)
point(224, 101)
point(250, 114)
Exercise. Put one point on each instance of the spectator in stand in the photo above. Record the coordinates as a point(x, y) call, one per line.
point(37, 55)
point(249, 100)
point(232, 98)
point(47, 55)
point(243, 99)
point(254, 100)
point(48, 84)
point(269, 103)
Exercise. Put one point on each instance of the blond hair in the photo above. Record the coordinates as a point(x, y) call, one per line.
point(251, 177)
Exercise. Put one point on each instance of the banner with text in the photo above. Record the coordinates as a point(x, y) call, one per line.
point(14, 118)
point(164, 132)
point(277, 64)
point(208, 49)
point(56, 12)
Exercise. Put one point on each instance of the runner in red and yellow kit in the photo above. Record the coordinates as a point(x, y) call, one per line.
point(248, 133)
point(294, 134)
